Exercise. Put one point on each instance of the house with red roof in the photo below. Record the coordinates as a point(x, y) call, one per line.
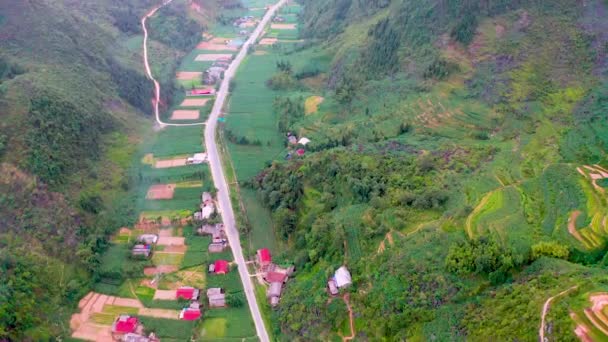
point(264, 258)
point(190, 314)
point(219, 267)
point(125, 324)
point(187, 293)
point(275, 277)
point(207, 91)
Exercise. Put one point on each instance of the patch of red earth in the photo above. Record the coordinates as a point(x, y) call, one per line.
point(572, 226)
point(175, 249)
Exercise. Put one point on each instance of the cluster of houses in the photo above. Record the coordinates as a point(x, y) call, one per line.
point(276, 277)
point(341, 279)
point(216, 71)
point(193, 311)
point(144, 245)
point(297, 144)
point(219, 241)
point(207, 208)
point(244, 22)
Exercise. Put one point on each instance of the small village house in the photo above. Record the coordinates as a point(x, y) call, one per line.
point(342, 277)
point(304, 141)
point(187, 293)
point(139, 338)
point(275, 277)
point(274, 293)
point(147, 239)
point(217, 247)
point(332, 287)
point(206, 197)
point(217, 232)
point(213, 75)
point(206, 91)
point(190, 314)
point(197, 158)
point(216, 297)
point(141, 250)
point(219, 267)
point(126, 324)
point(264, 258)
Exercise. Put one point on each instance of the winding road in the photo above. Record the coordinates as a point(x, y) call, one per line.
point(149, 70)
point(215, 164)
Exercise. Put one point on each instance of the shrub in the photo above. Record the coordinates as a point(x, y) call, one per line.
point(551, 249)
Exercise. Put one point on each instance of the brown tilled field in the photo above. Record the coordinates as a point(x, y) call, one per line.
point(171, 241)
point(185, 114)
point(194, 102)
point(160, 191)
point(84, 328)
point(184, 75)
point(212, 57)
point(215, 47)
point(164, 295)
point(268, 41)
point(283, 26)
point(163, 164)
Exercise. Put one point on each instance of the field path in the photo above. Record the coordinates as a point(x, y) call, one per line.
point(219, 179)
point(541, 331)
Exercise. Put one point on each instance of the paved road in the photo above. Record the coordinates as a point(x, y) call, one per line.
point(219, 179)
point(223, 197)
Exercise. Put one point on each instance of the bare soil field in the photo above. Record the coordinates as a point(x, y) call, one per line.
point(160, 191)
point(215, 47)
point(268, 41)
point(185, 75)
point(185, 114)
point(85, 329)
point(572, 226)
point(195, 102)
point(159, 313)
point(171, 241)
point(211, 57)
point(163, 164)
point(283, 26)
point(164, 295)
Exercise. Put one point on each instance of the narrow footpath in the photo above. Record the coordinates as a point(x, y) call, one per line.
point(217, 172)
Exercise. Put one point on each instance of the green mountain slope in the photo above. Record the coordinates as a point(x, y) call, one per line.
point(456, 148)
point(73, 106)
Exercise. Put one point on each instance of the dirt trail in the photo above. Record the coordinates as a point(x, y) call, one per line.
point(346, 299)
point(572, 226)
point(541, 331)
point(149, 71)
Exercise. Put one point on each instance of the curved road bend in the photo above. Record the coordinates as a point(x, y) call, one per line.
point(223, 197)
point(219, 179)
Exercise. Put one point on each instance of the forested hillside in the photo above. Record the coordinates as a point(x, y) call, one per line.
point(458, 154)
point(73, 106)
